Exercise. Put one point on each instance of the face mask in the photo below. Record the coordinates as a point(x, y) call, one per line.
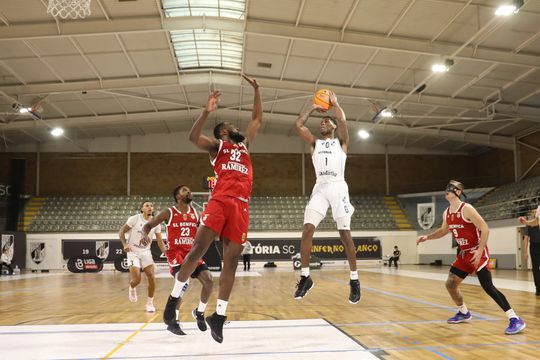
point(452, 189)
point(237, 137)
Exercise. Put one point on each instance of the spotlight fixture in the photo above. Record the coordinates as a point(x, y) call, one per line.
point(57, 131)
point(363, 134)
point(24, 110)
point(442, 67)
point(388, 113)
point(509, 8)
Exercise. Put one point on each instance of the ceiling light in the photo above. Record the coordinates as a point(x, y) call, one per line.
point(509, 8)
point(442, 67)
point(387, 113)
point(57, 131)
point(24, 110)
point(363, 134)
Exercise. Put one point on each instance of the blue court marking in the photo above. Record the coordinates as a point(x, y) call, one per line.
point(358, 324)
point(435, 351)
point(478, 316)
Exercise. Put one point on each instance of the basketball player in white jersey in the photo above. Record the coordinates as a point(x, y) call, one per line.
point(139, 256)
point(329, 155)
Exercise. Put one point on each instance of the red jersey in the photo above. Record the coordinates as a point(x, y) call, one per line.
point(234, 172)
point(465, 232)
point(181, 229)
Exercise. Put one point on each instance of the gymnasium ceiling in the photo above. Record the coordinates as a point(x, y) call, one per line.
point(117, 72)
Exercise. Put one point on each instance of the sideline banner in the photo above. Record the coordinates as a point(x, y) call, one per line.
point(367, 248)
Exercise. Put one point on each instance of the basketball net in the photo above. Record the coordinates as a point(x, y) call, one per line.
point(72, 9)
point(200, 200)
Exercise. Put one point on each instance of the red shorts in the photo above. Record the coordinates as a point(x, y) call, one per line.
point(463, 261)
point(228, 217)
point(175, 258)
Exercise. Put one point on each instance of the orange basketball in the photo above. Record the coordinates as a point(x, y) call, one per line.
point(322, 98)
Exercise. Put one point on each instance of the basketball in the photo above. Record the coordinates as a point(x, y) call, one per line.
point(322, 98)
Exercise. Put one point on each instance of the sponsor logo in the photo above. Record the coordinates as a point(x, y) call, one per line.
point(37, 251)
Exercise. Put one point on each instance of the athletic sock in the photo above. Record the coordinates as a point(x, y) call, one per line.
point(511, 314)
point(178, 286)
point(150, 300)
point(463, 309)
point(221, 307)
point(305, 271)
point(201, 307)
point(354, 275)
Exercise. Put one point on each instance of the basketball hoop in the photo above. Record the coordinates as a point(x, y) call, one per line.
point(73, 9)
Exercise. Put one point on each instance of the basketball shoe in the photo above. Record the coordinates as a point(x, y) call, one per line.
point(175, 329)
point(216, 322)
point(199, 316)
point(460, 317)
point(169, 314)
point(132, 293)
point(150, 306)
point(515, 326)
point(354, 295)
point(303, 286)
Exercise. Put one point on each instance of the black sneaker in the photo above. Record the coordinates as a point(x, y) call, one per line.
point(169, 314)
point(199, 316)
point(216, 322)
point(354, 295)
point(303, 286)
point(174, 328)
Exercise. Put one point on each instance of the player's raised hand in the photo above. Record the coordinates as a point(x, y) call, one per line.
point(252, 81)
point(522, 220)
point(318, 108)
point(421, 239)
point(127, 248)
point(333, 99)
point(213, 100)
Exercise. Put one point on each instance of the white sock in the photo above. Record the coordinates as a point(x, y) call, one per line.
point(463, 309)
point(354, 275)
point(201, 307)
point(305, 271)
point(221, 307)
point(511, 314)
point(150, 300)
point(178, 287)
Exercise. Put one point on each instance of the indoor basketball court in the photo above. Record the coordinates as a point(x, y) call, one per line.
point(107, 106)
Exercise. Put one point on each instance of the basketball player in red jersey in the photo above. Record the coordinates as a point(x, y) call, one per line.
point(471, 232)
point(226, 215)
point(182, 221)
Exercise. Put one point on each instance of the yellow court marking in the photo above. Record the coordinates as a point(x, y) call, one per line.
point(109, 354)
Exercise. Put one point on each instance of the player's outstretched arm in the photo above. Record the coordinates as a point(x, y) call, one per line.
point(342, 130)
point(122, 235)
point(257, 113)
point(195, 135)
point(163, 216)
point(532, 222)
point(439, 233)
point(302, 130)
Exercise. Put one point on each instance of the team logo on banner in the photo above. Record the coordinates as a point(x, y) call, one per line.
point(426, 215)
point(8, 246)
point(37, 251)
point(102, 249)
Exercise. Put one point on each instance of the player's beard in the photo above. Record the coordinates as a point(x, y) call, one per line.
point(187, 200)
point(237, 137)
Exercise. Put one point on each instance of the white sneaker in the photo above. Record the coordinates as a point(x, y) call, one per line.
point(132, 292)
point(150, 307)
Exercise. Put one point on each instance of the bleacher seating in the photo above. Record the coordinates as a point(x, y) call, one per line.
point(267, 213)
point(509, 201)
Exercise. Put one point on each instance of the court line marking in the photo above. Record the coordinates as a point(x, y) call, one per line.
point(444, 356)
point(430, 348)
point(109, 354)
point(358, 324)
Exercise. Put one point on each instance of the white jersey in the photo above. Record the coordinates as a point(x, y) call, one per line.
point(329, 161)
point(135, 234)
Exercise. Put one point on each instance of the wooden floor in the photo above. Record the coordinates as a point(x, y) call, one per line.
point(399, 317)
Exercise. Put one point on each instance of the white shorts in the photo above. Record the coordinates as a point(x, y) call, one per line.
point(334, 195)
point(140, 258)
